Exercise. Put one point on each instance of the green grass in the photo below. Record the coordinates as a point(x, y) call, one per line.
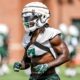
point(14, 75)
point(63, 77)
point(22, 76)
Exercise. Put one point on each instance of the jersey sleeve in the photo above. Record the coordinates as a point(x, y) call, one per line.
point(48, 34)
point(54, 32)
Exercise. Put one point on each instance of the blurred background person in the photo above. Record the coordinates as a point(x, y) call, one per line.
point(72, 42)
point(64, 29)
point(3, 49)
point(70, 35)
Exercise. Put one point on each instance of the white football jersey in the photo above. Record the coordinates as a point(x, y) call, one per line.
point(43, 38)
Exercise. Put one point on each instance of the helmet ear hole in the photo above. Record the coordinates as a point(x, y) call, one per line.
point(44, 16)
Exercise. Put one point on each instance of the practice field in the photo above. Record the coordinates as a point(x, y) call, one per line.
point(14, 75)
point(22, 76)
point(63, 77)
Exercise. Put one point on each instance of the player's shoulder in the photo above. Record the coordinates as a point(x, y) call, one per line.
point(52, 30)
point(51, 33)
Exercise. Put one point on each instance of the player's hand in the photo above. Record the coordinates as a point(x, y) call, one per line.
point(17, 66)
point(40, 69)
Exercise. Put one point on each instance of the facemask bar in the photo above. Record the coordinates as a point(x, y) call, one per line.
point(29, 18)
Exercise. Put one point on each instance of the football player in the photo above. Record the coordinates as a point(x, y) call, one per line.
point(44, 48)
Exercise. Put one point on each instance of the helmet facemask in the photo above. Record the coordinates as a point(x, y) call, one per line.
point(30, 21)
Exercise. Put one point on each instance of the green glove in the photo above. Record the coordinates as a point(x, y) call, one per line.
point(17, 66)
point(40, 69)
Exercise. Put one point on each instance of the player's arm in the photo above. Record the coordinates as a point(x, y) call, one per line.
point(25, 61)
point(23, 64)
point(61, 50)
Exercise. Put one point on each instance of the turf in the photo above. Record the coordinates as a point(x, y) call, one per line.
point(22, 76)
point(63, 77)
point(14, 75)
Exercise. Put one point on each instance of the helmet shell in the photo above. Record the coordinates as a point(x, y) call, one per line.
point(39, 9)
